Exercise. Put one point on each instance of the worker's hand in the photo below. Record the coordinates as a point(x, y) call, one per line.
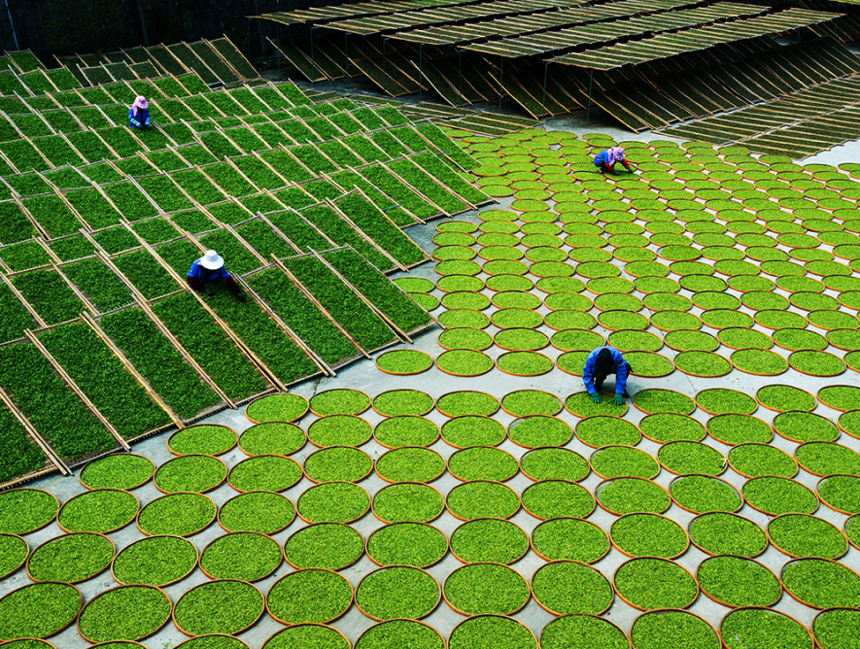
point(595, 398)
point(208, 292)
point(618, 400)
point(241, 297)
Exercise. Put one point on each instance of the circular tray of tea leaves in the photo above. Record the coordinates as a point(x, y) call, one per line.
point(333, 502)
point(339, 402)
point(482, 463)
point(702, 364)
point(582, 631)
point(623, 461)
point(272, 438)
point(465, 338)
point(813, 363)
point(684, 457)
point(621, 496)
point(332, 546)
point(569, 539)
point(649, 535)
point(14, 551)
point(190, 473)
point(398, 633)
point(673, 628)
point(520, 340)
point(410, 464)
point(482, 499)
point(753, 460)
point(247, 556)
point(659, 400)
point(258, 511)
point(821, 583)
point(489, 540)
point(551, 463)
point(703, 494)
point(566, 587)
point(839, 397)
point(825, 459)
point(202, 439)
point(721, 401)
point(407, 502)
point(71, 558)
point(524, 403)
point(467, 402)
point(720, 533)
point(297, 635)
point(841, 493)
point(649, 365)
point(462, 362)
point(406, 544)
point(403, 402)
point(183, 514)
point(773, 496)
point(669, 427)
point(524, 363)
point(277, 407)
point(405, 430)
point(155, 561)
point(738, 581)
point(781, 398)
point(834, 627)
point(337, 464)
point(125, 613)
point(126, 471)
point(650, 583)
point(486, 588)
point(604, 431)
point(798, 426)
point(759, 362)
point(339, 430)
point(579, 404)
point(691, 341)
point(801, 535)
point(539, 430)
point(464, 318)
point(309, 596)
point(471, 430)
point(762, 627)
point(102, 511)
point(265, 473)
point(397, 592)
point(404, 362)
point(744, 339)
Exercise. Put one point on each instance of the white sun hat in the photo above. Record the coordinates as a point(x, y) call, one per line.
point(211, 260)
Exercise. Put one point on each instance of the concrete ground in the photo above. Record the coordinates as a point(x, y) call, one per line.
point(365, 377)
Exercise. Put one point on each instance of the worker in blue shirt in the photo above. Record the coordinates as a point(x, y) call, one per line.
point(138, 113)
point(600, 363)
point(207, 270)
point(606, 159)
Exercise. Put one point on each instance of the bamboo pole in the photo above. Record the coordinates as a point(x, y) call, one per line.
point(77, 390)
point(131, 369)
point(83, 298)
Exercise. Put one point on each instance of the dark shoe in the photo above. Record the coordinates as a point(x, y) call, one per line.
point(241, 297)
point(208, 292)
point(625, 395)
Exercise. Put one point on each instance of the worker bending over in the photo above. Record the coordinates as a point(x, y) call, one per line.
point(600, 363)
point(606, 159)
point(207, 270)
point(138, 113)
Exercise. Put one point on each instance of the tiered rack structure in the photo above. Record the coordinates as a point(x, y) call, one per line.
point(305, 198)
